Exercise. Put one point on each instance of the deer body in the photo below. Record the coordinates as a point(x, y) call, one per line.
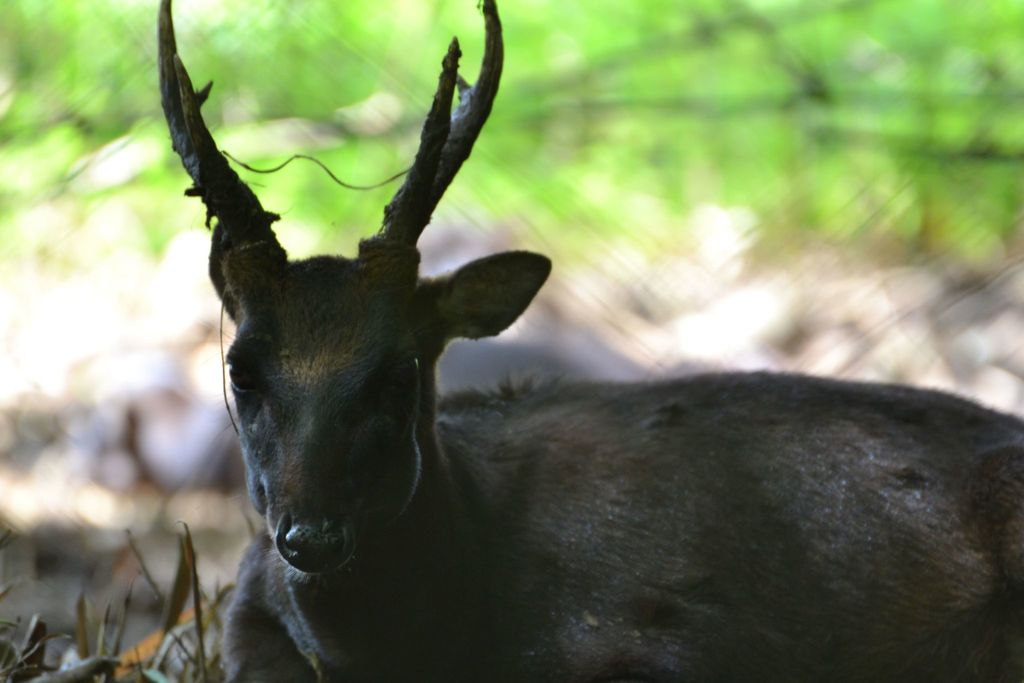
point(732, 527)
point(715, 528)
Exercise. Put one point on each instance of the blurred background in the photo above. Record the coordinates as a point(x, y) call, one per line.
point(824, 186)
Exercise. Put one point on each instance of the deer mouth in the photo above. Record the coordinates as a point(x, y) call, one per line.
point(314, 546)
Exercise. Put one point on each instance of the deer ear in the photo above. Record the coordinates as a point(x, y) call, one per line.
point(481, 298)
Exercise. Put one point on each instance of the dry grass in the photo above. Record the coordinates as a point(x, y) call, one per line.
point(185, 649)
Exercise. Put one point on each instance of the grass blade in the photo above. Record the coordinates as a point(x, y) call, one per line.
point(197, 602)
point(33, 650)
point(83, 671)
point(8, 656)
point(150, 650)
point(122, 617)
point(179, 592)
point(150, 581)
point(82, 627)
point(101, 635)
point(155, 676)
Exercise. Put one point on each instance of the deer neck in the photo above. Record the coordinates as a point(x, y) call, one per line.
point(435, 507)
point(432, 528)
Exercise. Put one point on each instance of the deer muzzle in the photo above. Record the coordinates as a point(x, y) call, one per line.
point(314, 546)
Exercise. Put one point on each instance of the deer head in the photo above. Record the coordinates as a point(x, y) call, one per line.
point(332, 365)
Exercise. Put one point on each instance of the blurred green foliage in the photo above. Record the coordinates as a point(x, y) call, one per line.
point(875, 122)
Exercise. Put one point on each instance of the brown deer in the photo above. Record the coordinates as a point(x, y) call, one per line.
point(722, 527)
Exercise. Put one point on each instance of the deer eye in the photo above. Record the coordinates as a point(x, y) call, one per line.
point(242, 380)
point(403, 374)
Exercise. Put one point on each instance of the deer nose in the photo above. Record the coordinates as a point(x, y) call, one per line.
point(313, 547)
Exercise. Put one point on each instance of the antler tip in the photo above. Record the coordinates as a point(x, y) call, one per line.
point(451, 58)
point(166, 19)
point(447, 137)
point(490, 9)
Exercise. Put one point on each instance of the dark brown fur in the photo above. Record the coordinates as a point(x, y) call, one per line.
point(719, 528)
point(772, 532)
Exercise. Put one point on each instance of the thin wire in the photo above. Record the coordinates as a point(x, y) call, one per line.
point(223, 374)
point(319, 163)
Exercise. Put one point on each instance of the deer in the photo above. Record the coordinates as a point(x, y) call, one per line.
point(717, 527)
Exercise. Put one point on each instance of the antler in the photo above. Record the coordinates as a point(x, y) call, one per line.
point(445, 143)
point(240, 217)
